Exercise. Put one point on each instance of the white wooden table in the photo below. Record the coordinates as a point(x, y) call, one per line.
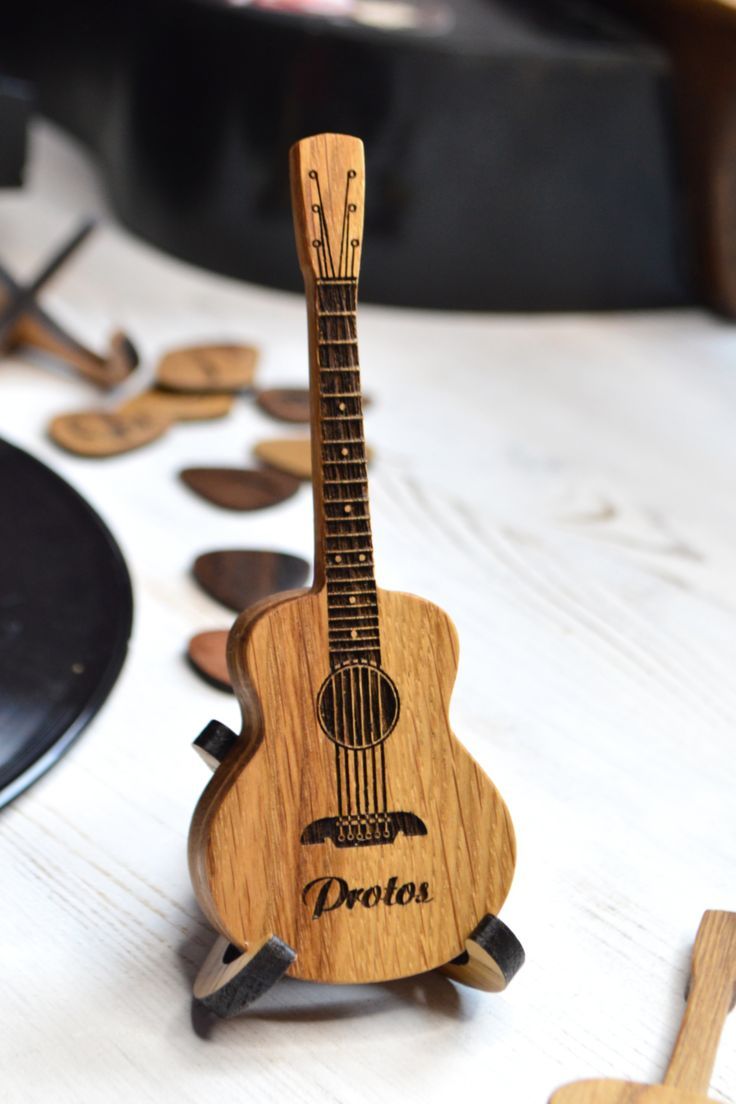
point(564, 487)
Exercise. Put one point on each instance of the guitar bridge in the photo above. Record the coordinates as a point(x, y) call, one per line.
point(363, 829)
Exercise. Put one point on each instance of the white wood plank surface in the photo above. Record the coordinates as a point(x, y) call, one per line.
point(564, 487)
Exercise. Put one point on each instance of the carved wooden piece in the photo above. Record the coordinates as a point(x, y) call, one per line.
point(23, 298)
point(240, 488)
point(181, 407)
point(290, 455)
point(208, 368)
point(287, 404)
point(241, 577)
point(98, 434)
point(36, 329)
point(207, 653)
point(375, 844)
point(711, 996)
point(144, 418)
point(491, 959)
point(230, 980)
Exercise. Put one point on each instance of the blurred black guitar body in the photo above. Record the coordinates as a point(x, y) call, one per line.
point(568, 200)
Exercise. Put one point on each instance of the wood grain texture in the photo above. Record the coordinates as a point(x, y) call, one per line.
point(282, 778)
point(492, 957)
point(286, 404)
point(576, 517)
point(207, 652)
point(97, 434)
point(39, 331)
point(712, 993)
point(180, 406)
point(208, 368)
point(289, 404)
point(240, 488)
point(711, 996)
point(288, 454)
point(375, 843)
point(220, 985)
point(241, 577)
point(293, 457)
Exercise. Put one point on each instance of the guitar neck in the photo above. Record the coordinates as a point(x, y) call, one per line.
point(328, 187)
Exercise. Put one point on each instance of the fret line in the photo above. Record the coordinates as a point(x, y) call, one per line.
point(363, 617)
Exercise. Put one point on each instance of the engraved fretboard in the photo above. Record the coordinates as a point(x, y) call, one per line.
point(348, 549)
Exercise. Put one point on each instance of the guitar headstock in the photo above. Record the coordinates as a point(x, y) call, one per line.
point(328, 195)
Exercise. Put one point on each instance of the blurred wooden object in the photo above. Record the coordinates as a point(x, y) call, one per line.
point(181, 407)
point(97, 433)
point(701, 36)
point(240, 488)
point(711, 996)
point(209, 368)
point(240, 577)
point(291, 455)
point(286, 404)
point(207, 653)
point(142, 419)
point(24, 323)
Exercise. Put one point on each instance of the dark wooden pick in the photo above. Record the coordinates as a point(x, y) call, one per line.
point(207, 654)
point(240, 488)
point(288, 404)
point(238, 578)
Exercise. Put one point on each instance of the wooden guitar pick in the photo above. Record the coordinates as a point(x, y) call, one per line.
point(238, 578)
point(181, 407)
point(208, 368)
point(240, 488)
point(142, 419)
point(291, 455)
point(207, 653)
point(287, 404)
point(711, 996)
point(97, 433)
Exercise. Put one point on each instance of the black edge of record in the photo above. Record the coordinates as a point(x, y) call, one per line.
point(45, 747)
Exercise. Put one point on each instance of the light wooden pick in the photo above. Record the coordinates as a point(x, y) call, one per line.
point(710, 998)
point(96, 433)
point(292, 455)
point(181, 406)
point(208, 368)
point(207, 653)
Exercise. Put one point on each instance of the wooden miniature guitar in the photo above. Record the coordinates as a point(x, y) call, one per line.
point(346, 836)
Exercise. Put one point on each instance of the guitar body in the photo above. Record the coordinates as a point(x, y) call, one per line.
point(346, 836)
point(402, 900)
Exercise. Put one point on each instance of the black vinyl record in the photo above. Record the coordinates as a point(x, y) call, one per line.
point(66, 611)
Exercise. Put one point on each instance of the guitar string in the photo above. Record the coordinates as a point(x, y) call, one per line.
point(373, 684)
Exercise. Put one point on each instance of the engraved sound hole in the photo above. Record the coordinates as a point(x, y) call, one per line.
point(358, 706)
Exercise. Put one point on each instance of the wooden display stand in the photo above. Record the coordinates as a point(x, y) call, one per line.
point(711, 996)
point(346, 836)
